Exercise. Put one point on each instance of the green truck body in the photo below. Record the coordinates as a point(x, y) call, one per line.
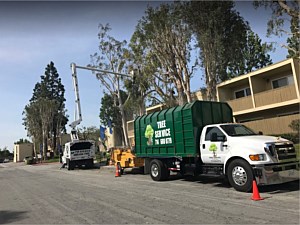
point(175, 132)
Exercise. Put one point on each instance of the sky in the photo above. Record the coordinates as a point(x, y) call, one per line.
point(34, 33)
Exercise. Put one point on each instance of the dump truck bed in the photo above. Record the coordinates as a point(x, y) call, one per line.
point(175, 132)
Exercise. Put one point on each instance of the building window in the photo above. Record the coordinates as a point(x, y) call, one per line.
point(242, 93)
point(281, 82)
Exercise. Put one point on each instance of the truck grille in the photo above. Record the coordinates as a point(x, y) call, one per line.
point(282, 151)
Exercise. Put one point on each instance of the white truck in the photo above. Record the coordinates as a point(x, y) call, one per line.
point(78, 152)
point(200, 138)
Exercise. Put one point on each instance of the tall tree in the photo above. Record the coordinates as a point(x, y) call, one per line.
point(255, 56)
point(221, 33)
point(284, 11)
point(166, 39)
point(38, 120)
point(112, 57)
point(47, 110)
point(110, 114)
point(139, 87)
point(51, 88)
point(33, 125)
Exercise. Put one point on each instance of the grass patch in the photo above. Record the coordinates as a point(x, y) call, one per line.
point(55, 159)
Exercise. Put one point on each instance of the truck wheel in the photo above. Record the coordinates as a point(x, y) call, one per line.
point(158, 171)
point(240, 175)
point(91, 164)
point(68, 164)
point(72, 165)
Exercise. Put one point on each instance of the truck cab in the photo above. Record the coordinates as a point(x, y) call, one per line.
point(245, 154)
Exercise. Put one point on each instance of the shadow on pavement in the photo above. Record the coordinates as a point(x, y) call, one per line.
point(280, 188)
point(218, 181)
point(222, 182)
point(11, 216)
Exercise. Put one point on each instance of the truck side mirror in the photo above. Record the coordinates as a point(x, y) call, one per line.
point(214, 137)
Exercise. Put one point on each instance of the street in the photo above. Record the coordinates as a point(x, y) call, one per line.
point(45, 194)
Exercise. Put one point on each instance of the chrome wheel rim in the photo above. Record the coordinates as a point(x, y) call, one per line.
point(239, 175)
point(154, 170)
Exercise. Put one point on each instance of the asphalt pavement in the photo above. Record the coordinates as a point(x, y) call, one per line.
point(46, 194)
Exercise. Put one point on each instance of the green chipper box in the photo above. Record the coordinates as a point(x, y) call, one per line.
point(170, 139)
point(175, 132)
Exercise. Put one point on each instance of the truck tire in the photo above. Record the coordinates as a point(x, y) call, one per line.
point(158, 171)
point(240, 175)
point(68, 164)
point(91, 164)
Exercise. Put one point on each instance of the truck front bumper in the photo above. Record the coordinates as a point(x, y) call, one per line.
point(277, 174)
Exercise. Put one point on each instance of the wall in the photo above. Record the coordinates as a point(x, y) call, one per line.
point(22, 150)
point(276, 125)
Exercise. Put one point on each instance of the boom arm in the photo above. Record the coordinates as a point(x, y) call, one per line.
point(77, 121)
point(77, 116)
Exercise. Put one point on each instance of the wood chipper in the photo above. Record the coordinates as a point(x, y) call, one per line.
point(125, 158)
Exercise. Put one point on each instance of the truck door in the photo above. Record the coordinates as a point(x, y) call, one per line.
point(213, 146)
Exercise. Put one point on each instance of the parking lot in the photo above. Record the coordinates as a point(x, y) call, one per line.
point(45, 194)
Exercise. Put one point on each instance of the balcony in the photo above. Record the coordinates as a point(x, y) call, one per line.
point(275, 96)
point(241, 104)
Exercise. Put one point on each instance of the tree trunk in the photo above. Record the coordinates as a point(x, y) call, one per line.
point(45, 145)
point(124, 122)
point(34, 147)
point(181, 95)
point(142, 108)
point(54, 142)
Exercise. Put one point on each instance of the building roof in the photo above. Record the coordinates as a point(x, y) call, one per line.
point(259, 71)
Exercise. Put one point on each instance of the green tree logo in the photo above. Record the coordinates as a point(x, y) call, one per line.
point(213, 147)
point(149, 134)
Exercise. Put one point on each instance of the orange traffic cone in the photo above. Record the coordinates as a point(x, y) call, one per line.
point(255, 195)
point(118, 171)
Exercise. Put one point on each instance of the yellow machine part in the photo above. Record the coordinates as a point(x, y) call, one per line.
point(126, 158)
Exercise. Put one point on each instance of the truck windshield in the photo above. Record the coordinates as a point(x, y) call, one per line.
point(81, 145)
point(237, 130)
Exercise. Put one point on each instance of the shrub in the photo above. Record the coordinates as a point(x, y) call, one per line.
point(295, 125)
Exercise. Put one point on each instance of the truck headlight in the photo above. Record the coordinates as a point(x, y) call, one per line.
point(257, 157)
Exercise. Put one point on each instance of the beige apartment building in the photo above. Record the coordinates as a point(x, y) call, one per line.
point(267, 99)
point(22, 150)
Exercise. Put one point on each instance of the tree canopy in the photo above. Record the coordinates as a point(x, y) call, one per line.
point(112, 56)
point(165, 41)
point(44, 116)
point(284, 12)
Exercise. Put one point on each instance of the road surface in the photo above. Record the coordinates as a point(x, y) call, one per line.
point(44, 194)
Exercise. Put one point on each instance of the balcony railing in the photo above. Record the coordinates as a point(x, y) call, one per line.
point(241, 104)
point(264, 98)
point(275, 96)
